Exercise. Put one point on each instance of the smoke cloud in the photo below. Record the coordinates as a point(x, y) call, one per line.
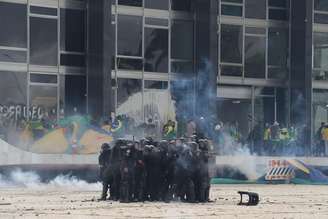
point(31, 180)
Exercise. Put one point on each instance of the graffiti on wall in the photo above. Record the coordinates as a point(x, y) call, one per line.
point(18, 112)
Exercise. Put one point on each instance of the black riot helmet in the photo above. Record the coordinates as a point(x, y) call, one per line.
point(105, 147)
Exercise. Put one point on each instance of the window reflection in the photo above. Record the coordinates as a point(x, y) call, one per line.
point(277, 53)
point(156, 50)
point(13, 24)
point(255, 47)
point(129, 35)
point(231, 43)
point(13, 86)
point(43, 41)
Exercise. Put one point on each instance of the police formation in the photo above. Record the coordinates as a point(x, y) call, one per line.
point(137, 171)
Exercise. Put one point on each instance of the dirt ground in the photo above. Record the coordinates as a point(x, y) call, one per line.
point(277, 201)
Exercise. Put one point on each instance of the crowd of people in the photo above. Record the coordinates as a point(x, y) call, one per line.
point(276, 139)
point(149, 170)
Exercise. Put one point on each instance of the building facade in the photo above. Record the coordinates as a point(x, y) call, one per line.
point(247, 62)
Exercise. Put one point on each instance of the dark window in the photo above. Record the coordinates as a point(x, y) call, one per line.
point(72, 60)
point(43, 10)
point(232, 10)
point(181, 5)
point(228, 70)
point(156, 84)
point(320, 18)
point(13, 86)
point(278, 14)
point(129, 64)
point(278, 3)
point(156, 50)
point(12, 56)
point(129, 35)
point(182, 40)
point(75, 94)
point(43, 78)
point(255, 9)
point(43, 41)
point(136, 3)
point(157, 4)
point(231, 43)
point(255, 56)
point(156, 21)
point(233, 1)
point(277, 47)
point(72, 30)
point(185, 67)
point(13, 25)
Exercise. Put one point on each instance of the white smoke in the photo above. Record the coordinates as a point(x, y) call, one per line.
point(31, 180)
point(244, 161)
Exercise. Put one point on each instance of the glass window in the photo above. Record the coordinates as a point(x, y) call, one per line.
point(43, 10)
point(73, 93)
point(181, 5)
point(157, 4)
point(44, 97)
point(156, 21)
point(136, 3)
point(13, 25)
point(320, 42)
point(43, 41)
point(255, 9)
point(229, 70)
point(156, 84)
point(231, 43)
point(278, 3)
point(181, 66)
point(12, 56)
point(13, 86)
point(321, 5)
point(278, 14)
point(182, 40)
point(129, 35)
point(129, 64)
point(72, 30)
point(72, 60)
point(43, 78)
point(277, 46)
point(232, 10)
point(129, 99)
point(156, 50)
point(320, 18)
point(255, 48)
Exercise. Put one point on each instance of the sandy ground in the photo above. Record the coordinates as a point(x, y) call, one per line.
point(277, 201)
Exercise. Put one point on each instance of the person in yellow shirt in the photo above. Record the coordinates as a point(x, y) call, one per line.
point(324, 134)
